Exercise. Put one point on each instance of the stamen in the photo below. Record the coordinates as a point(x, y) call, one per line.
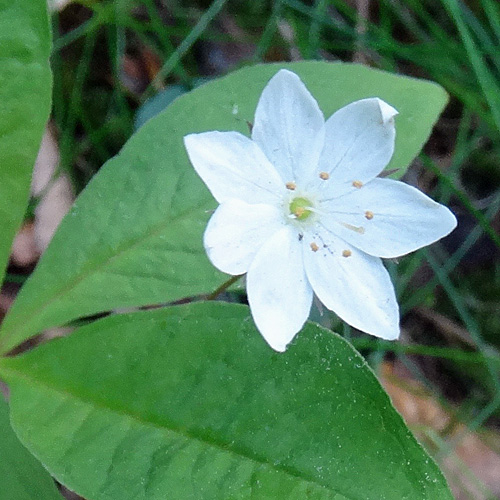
point(357, 184)
point(346, 253)
point(369, 215)
point(356, 229)
point(324, 175)
point(360, 230)
point(291, 186)
point(315, 210)
point(314, 247)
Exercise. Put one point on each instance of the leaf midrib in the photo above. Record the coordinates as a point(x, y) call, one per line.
point(11, 325)
point(65, 393)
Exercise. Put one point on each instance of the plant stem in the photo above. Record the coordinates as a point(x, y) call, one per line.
point(224, 287)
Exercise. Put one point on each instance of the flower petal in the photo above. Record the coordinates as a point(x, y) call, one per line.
point(289, 126)
point(388, 218)
point(279, 294)
point(236, 232)
point(233, 166)
point(354, 285)
point(359, 143)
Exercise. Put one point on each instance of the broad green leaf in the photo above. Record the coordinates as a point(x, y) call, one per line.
point(190, 402)
point(22, 477)
point(134, 236)
point(25, 92)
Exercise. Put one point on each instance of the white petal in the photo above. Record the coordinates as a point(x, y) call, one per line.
point(236, 232)
point(289, 126)
point(279, 294)
point(357, 287)
point(359, 143)
point(233, 166)
point(403, 218)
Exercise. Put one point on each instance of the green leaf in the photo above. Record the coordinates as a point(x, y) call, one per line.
point(25, 95)
point(134, 236)
point(21, 476)
point(190, 402)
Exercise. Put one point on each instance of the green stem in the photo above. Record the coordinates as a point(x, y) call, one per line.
point(224, 287)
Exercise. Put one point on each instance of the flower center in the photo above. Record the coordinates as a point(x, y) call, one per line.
point(300, 208)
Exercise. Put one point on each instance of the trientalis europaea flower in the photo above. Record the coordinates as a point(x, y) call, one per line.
point(302, 210)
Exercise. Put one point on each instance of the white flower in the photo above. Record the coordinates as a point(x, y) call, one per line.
point(302, 210)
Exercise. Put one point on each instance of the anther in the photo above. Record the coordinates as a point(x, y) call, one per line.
point(357, 184)
point(314, 247)
point(369, 215)
point(324, 175)
point(346, 253)
point(291, 186)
